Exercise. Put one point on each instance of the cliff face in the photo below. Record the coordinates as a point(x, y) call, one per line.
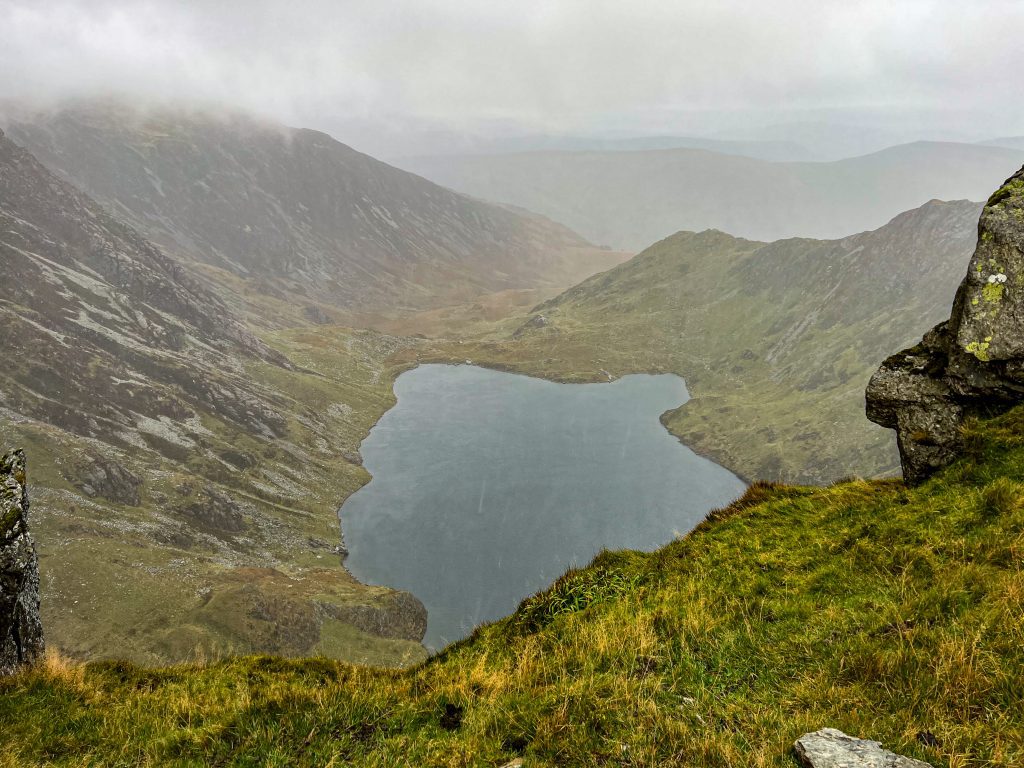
point(972, 363)
point(21, 633)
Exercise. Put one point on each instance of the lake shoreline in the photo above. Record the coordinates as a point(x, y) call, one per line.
point(679, 520)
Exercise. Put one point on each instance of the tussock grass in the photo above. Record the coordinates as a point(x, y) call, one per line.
point(882, 610)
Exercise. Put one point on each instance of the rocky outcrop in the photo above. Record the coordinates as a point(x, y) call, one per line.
point(831, 748)
point(214, 511)
point(972, 364)
point(400, 615)
point(102, 476)
point(21, 632)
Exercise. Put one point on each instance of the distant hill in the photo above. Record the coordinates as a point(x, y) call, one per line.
point(631, 199)
point(1009, 142)
point(762, 150)
point(299, 210)
point(776, 340)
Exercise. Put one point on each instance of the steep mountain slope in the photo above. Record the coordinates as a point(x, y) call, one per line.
point(776, 341)
point(629, 200)
point(171, 450)
point(299, 210)
point(890, 613)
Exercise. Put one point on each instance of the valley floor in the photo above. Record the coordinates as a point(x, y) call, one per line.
point(888, 612)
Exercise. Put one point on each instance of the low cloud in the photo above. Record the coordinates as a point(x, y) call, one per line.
point(573, 65)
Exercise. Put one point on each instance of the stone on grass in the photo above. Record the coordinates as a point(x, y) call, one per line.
point(831, 748)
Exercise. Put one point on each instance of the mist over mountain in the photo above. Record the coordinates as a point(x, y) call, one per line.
point(1011, 142)
point(630, 199)
point(298, 210)
point(452, 143)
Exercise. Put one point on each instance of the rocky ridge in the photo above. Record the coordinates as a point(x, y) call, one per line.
point(969, 365)
point(21, 631)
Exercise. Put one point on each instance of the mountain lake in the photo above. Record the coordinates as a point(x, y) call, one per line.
point(487, 486)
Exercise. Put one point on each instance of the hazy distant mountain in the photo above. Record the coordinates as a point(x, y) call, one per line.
point(776, 340)
point(170, 450)
point(1010, 142)
point(629, 199)
point(829, 140)
point(299, 209)
point(762, 150)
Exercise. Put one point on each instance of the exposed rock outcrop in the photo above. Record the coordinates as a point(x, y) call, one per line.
point(831, 748)
point(102, 476)
point(971, 364)
point(400, 616)
point(21, 632)
point(214, 511)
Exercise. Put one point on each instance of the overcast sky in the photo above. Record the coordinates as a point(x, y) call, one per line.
point(557, 66)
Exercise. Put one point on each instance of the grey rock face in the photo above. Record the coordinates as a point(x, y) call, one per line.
point(971, 364)
point(831, 748)
point(400, 616)
point(102, 476)
point(215, 511)
point(21, 632)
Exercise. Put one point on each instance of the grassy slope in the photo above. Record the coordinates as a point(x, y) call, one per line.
point(134, 582)
point(866, 606)
point(172, 580)
point(776, 342)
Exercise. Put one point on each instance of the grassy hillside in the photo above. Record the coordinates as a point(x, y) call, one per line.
point(868, 606)
point(776, 341)
point(193, 410)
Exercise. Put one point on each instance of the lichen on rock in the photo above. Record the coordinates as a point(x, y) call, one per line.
point(971, 364)
point(21, 631)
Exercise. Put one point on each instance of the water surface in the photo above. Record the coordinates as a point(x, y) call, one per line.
point(487, 486)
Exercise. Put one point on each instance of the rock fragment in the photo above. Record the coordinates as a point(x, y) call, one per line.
point(831, 748)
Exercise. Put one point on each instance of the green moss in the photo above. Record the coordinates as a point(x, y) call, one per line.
point(1011, 189)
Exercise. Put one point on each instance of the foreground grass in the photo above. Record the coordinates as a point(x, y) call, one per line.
point(867, 606)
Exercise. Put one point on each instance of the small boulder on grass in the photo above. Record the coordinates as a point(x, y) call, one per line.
point(831, 748)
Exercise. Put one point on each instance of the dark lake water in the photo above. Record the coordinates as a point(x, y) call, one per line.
point(487, 486)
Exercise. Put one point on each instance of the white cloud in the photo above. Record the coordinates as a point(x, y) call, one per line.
point(553, 65)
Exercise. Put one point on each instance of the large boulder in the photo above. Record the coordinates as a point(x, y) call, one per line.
point(21, 632)
point(972, 363)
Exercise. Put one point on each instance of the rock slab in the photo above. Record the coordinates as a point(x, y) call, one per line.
point(971, 364)
point(21, 631)
point(831, 748)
